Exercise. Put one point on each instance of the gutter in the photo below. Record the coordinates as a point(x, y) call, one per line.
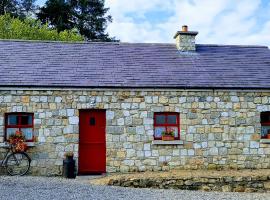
point(133, 88)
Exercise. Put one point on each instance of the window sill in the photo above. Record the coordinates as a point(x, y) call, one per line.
point(266, 141)
point(172, 142)
point(29, 144)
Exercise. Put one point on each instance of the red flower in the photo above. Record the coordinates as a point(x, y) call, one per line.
point(18, 133)
point(18, 141)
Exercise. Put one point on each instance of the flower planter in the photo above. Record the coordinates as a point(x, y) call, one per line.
point(167, 137)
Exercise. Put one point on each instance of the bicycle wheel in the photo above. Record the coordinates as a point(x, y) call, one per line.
point(17, 164)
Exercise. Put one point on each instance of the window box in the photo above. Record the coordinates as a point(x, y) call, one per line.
point(167, 137)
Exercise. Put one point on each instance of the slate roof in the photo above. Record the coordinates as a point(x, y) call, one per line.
point(56, 64)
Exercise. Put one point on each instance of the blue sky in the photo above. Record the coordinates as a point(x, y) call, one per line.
point(218, 21)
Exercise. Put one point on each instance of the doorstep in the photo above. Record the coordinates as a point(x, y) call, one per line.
point(87, 178)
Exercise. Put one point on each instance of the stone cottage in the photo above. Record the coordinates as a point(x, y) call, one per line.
point(110, 103)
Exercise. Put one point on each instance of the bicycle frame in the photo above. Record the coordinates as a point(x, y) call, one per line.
point(9, 151)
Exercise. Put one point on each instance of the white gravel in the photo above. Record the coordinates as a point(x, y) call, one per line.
point(40, 188)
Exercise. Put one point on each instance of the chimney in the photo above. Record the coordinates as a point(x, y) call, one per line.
point(185, 40)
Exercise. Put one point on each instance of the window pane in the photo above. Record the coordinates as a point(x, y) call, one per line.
point(11, 131)
point(92, 121)
point(28, 133)
point(158, 131)
point(172, 119)
point(160, 119)
point(265, 117)
point(26, 120)
point(13, 119)
point(265, 130)
point(175, 129)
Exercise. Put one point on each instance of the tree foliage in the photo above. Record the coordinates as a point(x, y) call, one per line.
point(57, 13)
point(8, 6)
point(18, 8)
point(88, 16)
point(29, 6)
point(31, 29)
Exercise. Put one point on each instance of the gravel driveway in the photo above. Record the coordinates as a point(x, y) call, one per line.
point(56, 188)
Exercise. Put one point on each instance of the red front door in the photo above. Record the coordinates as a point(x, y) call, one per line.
point(92, 142)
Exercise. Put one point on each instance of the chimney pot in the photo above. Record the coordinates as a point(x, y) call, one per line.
point(185, 28)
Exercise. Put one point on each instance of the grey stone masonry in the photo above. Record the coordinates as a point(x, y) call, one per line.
point(218, 129)
point(185, 40)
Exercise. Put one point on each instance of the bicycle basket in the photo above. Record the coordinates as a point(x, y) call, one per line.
point(20, 146)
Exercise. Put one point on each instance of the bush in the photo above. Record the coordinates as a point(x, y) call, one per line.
point(31, 29)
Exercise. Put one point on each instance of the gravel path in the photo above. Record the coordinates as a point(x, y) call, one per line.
point(56, 188)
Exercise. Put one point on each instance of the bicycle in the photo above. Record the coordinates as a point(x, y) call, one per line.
point(16, 163)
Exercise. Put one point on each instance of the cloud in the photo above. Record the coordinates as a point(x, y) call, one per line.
point(219, 21)
point(128, 29)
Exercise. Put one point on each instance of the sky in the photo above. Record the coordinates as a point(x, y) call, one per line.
point(245, 22)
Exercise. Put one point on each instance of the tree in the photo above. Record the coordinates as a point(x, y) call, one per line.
point(57, 13)
point(28, 6)
point(31, 29)
point(17, 8)
point(91, 20)
point(88, 16)
point(8, 6)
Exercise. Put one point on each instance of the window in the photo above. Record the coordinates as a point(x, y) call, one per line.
point(164, 122)
point(265, 123)
point(19, 121)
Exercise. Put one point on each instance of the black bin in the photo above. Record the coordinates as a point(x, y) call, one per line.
point(69, 167)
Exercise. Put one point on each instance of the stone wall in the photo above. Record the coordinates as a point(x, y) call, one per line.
point(218, 129)
point(224, 184)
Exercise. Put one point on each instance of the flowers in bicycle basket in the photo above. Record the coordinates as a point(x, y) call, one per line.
point(17, 141)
